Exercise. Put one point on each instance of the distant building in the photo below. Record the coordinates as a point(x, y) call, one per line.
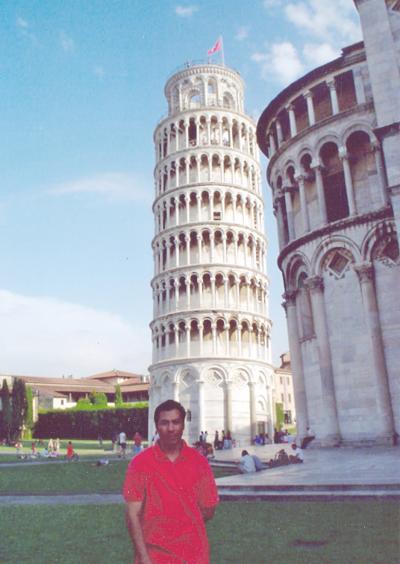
point(333, 143)
point(62, 393)
point(283, 391)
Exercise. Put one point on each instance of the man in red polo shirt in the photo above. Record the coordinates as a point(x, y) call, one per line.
point(170, 492)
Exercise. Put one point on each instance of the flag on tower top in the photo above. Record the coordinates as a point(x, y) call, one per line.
point(217, 47)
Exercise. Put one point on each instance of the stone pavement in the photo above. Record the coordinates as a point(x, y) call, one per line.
point(332, 473)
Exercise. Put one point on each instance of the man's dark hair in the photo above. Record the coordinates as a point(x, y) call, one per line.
point(244, 452)
point(169, 405)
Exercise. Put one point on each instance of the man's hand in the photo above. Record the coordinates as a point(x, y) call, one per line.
point(208, 513)
point(133, 511)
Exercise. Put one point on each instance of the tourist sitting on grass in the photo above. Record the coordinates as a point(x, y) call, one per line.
point(71, 454)
point(246, 463)
point(297, 456)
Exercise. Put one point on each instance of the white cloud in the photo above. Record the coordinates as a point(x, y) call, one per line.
point(326, 26)
point(22, 23)
point(317, 54)
point(272, 3)
point(114, 186)
point(49, 337)
point(186, 11)
point(67, 43)
point(24, 29)
point(280, 62)
point(99, 71)
point(335, 22)
point(242, 33)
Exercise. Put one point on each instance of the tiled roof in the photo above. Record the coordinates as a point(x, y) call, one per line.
point(114, 374)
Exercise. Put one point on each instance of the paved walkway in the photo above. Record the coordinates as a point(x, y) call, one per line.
point(334, 471)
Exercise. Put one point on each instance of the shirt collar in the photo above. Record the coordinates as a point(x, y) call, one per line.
point(161, 455)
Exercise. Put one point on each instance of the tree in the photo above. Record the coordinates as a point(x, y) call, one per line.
point(29, 412)
point(118, 396)
point(6, 410)
point(19, 407)
point(280, 419)
point(98, 398)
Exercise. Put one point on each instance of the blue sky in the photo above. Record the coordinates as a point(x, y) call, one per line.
point(81, 91)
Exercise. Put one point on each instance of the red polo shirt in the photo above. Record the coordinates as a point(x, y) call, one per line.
point(174, 494)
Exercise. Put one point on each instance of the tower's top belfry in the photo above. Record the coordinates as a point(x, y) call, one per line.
point(204, 86)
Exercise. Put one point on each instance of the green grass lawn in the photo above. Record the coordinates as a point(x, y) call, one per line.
point(347, 532)
point(71, 477)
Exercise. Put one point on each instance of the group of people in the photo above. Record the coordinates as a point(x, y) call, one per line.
point(262, 439)
point(224, 442)
point(249, 463)
point(39, 449)
point(120, 443)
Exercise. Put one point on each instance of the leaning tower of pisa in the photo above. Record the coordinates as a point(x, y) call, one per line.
point(210, 328)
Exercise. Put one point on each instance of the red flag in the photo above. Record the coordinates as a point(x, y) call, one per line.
point(217, 47)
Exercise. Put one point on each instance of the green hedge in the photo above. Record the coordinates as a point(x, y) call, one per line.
point(72, 424)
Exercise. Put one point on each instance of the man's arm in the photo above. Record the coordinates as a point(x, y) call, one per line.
point(133, 510)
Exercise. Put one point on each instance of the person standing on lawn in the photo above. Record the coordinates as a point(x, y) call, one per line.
point(170, 492)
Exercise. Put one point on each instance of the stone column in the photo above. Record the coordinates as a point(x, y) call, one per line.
point(292, 120)
point(348, 180)
point(272, 146)
point(176, 331)
point(187, 283)
point(279, 219)
point(279, 133)
point(187, 241)
point(333, 94)
point(198, 201)
point(201, 338)
point(200, 397)
point(289, 212)
point(253, 411)
point(383, 420)
point(303, 203)
point(310, 107)
point(187, 170)
point(228, 407)
point(175, 390)
point(381, 172)
point(176, 288)
point(212, 281)
point(176, 243)
point(329, 433)
point(186, 126)
point(320, 193)
point(359, 86)
point(199, 247)
point(297, 364)
point(187, 330)
point(214, 337)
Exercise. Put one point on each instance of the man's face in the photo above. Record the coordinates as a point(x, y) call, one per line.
point(170, 427)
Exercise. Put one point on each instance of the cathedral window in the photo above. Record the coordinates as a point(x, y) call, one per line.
point(338, 264)
point(304, 311)
point(334, 183)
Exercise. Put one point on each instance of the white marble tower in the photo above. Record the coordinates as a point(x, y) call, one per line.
point(210, 328)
